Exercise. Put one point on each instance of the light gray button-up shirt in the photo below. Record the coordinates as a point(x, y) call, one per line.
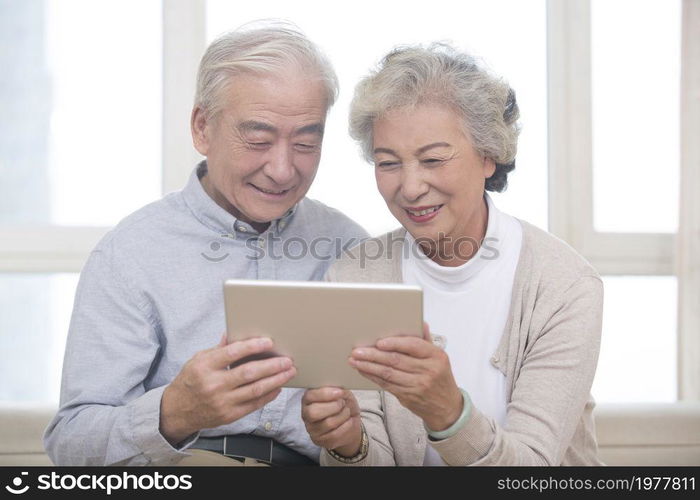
point(150, 296)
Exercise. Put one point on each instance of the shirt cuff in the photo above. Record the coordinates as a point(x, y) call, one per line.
point(145, 425)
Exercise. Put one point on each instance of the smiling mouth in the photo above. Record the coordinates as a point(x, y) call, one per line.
point(423, 212)
point(271, 192)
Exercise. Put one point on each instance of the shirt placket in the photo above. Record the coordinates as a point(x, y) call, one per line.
point(266, 255)
point(272, 413)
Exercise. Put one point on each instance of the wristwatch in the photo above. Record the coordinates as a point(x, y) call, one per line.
point(361, 455)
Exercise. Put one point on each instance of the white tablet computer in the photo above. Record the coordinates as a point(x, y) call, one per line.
point(318, 324)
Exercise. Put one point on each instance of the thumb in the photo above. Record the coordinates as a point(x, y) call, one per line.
point(223, 341)
point(426, 332)
point(352, 404)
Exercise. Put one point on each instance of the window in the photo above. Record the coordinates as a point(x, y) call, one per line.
point(84, 112)
point(635, 94)
point(614, 176)
point(80, 148)
point(35, 310)
point(638, 350)
point(635, 91)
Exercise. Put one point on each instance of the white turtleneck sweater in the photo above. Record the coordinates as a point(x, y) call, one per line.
point(468, 307)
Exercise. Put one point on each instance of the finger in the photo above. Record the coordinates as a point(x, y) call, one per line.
point(322, 395)
point(223, 341)
point(394, 359)
point(412, 346)
point(333, 438)
point(351, 402)
point(222, 357)
point(258, 389)
point(317, 412)
point(330, 424)
point(252, 371)
point(384, 372)
point(381, 383)
point(426, 332)
point(243, 409)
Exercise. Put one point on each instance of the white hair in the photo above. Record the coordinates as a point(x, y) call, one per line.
point(259, 47)
point(439, 74)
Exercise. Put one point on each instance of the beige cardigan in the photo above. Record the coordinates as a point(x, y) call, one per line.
point(548, 353)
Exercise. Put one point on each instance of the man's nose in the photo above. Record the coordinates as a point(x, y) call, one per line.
point(279, 166)
point(413, 183)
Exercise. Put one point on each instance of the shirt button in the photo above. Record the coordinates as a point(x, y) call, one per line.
point(242, 229)
point(261, 242)
point(268, 426)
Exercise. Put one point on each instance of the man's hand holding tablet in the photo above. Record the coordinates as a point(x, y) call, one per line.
point(207, 394)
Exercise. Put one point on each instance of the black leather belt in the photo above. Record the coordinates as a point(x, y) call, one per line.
point(241, 446)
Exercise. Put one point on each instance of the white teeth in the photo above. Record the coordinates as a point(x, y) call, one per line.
point(423, 212)
point(271, 192)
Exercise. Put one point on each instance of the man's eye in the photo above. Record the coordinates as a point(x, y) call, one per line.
point(433, 161)
point(259, 145)
point(306, 147)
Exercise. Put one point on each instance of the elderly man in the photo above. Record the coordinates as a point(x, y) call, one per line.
point(146, 378)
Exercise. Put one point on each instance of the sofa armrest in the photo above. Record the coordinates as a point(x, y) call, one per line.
point(649, 434)
point(22, 427)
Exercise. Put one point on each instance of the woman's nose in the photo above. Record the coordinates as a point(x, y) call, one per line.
point(413, 184)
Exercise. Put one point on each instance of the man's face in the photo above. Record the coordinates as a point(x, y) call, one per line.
point(264, 147)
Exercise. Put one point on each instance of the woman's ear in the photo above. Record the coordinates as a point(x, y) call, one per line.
point(200, 130)
point(489, 167)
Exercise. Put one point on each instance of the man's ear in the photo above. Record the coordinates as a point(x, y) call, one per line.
point(489, 167)
point(200, 130)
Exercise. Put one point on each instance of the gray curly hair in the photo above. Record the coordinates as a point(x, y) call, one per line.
point(438, 73)
point(259, 47)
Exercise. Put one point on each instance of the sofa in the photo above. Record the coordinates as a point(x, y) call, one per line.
point(629, 434)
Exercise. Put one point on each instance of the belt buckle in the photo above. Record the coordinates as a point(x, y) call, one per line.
point(235, 457)
point(241, 458)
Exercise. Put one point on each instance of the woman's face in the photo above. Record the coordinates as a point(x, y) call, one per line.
point(429, 174)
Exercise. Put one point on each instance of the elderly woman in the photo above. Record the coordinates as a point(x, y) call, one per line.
point(515, 313)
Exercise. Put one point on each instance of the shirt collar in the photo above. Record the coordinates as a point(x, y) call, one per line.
point(209, 213)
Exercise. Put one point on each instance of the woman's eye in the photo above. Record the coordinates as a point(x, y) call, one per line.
point(387, 164)
point(433, 161)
